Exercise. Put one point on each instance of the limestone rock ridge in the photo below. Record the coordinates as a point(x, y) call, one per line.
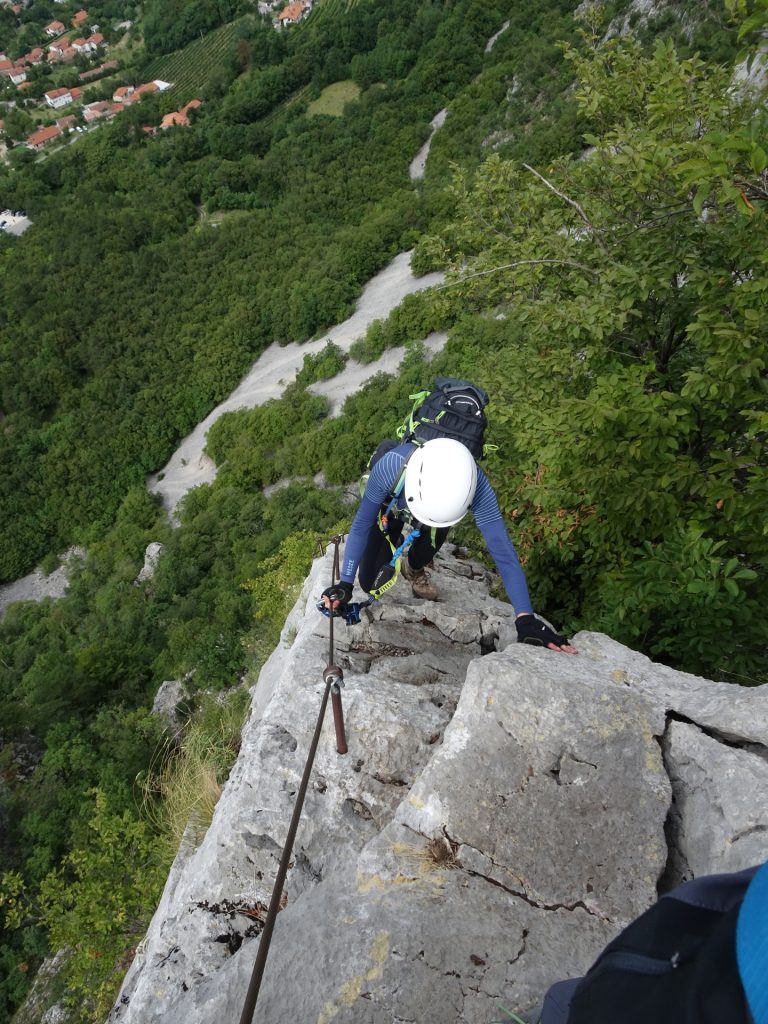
point(502, 812)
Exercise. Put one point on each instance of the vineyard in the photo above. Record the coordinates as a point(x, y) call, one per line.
point(292, 100)
point(189, 69)
point(324, 8)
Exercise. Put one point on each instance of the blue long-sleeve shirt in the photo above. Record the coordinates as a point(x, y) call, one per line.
point(485, 508)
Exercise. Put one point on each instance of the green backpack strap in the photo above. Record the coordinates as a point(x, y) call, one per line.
point(408, 425)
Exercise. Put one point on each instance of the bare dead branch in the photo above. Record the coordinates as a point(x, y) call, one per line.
point(571, 202)
point(519, 263)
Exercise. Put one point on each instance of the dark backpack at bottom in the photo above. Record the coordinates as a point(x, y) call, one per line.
point(676, 964)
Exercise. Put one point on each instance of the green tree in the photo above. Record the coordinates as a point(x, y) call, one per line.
point(629, 355)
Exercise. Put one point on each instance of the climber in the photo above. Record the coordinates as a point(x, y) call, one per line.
point(699, 955)
point(432, 485)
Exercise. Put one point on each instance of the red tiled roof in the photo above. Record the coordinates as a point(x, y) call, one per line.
point(79, 18)
point(146, 87)
point(173, 119)
point(293, 11)
point(43, 135)
point(55, 94)
point(178, 118)
point(97, 39)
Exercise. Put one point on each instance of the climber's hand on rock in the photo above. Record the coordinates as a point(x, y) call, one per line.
point(531, 630)
point(337, 596)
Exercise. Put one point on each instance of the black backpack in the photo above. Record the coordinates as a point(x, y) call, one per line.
point(675, 964)
point(454, 409)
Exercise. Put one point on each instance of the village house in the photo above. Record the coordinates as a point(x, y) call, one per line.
point(43, 136)
point(109, 65)
point(6, 67)
point(293, 13)
point(61, 52)
point(35, 56)
point(79, 19)
point(120, 95)
point(96, 110)
point(18, 75)
point(67, 55)
point(83, 46)
point(179, 118)
point(66, 123)
point(54, 29)
point(57, 98)
point(146, 88)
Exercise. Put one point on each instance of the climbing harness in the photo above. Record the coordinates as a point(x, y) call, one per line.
point(333, 677)
point(389, 574)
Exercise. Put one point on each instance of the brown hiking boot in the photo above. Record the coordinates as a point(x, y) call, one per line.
point(421, 585)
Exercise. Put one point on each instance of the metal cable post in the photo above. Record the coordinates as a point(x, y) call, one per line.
point(334, 679)
point(333, 673)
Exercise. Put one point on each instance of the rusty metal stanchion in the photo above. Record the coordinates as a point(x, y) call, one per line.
point(336, 677)
point(333, 673)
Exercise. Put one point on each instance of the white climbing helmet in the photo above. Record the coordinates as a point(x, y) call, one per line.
point(440, 482)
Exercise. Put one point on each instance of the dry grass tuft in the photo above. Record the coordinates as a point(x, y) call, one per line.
point(181, 793)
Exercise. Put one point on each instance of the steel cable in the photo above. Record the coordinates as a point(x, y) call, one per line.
point(331, 676)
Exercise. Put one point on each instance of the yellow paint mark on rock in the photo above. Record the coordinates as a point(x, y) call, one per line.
point(366, 883)
point(414, 801)
point(350, 990)
point(379, 955)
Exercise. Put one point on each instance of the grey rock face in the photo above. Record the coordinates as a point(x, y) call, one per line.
point(721, 795)
point(169, 696)
point(36, 586)
point(151, 558)
point(540, 764)
point(496, 821)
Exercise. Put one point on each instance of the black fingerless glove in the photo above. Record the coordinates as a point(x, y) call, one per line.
point(531, 630)
point(341, 592)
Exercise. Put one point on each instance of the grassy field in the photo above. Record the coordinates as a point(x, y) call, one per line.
point(189, 69)
point(333, 98)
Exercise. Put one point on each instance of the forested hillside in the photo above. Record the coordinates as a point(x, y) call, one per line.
point(607, 241)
